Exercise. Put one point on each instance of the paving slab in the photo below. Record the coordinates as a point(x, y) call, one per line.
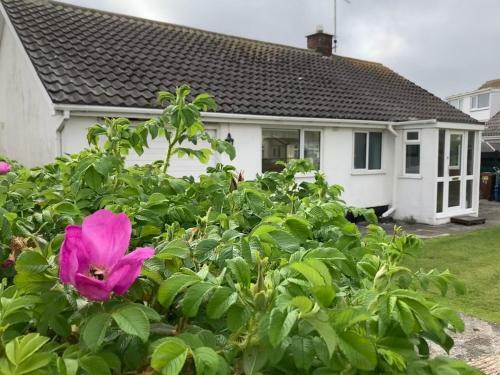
point(490, 210)
point(479, 345)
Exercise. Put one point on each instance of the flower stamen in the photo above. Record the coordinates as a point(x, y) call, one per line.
point(97, 273)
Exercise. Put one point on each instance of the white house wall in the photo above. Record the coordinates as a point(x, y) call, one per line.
point(416, 195)
point(27, 128)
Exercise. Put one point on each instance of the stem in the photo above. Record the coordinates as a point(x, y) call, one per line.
point(166, 162)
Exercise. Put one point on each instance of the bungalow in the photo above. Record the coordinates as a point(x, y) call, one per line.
point(390, 143)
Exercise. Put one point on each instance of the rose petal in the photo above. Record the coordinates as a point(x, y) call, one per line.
point(107, 237)
point(73, 257)
point(91, 288)
point(126, 271)
point(4, 167)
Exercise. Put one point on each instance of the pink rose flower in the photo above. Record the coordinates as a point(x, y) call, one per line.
point(4, 167)
point(93, 259)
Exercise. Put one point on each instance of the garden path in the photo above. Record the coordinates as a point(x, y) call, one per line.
point(479, 345)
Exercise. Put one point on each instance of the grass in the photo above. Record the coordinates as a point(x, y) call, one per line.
point(474, 257)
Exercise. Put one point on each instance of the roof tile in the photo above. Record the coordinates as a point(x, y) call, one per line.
point(91, 57)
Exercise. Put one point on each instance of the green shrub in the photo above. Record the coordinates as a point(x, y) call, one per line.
point(249, 277)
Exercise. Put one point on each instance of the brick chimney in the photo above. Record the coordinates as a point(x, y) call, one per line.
point(320, 42)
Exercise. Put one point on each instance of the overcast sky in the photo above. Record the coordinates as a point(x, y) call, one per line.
point(445, 46)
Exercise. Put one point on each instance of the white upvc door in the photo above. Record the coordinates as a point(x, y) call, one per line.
point(454, 200)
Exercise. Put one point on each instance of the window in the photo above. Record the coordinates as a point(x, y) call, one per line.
point(412, 152)
point(288, 144)
point(457, 103)
point(368, 150)
point(480, 101)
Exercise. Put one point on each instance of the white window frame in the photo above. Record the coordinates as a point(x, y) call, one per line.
point(301, 143)
point(366, 170)
point(407, 142)
point(474, 99)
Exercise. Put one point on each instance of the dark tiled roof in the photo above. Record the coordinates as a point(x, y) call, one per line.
point(91, 57)
point(494, 83)
point(492, 126)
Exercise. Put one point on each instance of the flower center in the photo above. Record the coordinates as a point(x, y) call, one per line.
point(97, 273)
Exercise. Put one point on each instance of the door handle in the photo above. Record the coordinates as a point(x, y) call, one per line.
point(455, 178)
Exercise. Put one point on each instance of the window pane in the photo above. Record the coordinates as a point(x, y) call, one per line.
point(277, 145)
point(439, 203)
point(312, 147)
point(412, 136)
point(359, 150)
point(470, 153)
point(455, 156)
point(468, 193)
point(483, 100)
point(412, 159)
point(441, 153)
point(474, 102)
point(454, 193)
point(375, 151)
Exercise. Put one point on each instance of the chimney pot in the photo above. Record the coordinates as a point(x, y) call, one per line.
point(320, 42)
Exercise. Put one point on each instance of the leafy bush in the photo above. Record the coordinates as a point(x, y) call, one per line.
point(249, 277)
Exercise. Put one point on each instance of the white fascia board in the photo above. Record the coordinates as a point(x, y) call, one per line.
point(101, 111)
point(470, 93)
point(459, 126)
point(35, 77)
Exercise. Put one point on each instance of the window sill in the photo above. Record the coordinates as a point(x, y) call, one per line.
point(362, 172)
point(479, 109)
point(410, 177)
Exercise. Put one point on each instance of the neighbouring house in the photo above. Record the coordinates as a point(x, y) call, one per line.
point(390, 143)
point(490, 147)
point(483, 104)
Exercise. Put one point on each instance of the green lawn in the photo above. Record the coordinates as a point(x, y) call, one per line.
point(475, 258)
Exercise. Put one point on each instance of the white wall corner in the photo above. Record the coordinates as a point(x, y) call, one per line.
point(5, 23)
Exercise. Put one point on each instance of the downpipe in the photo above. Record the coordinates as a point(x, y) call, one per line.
point(393, 208)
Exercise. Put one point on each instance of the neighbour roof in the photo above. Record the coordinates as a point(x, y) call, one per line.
point(494, 83)
point(492, 126)
point(90, 57)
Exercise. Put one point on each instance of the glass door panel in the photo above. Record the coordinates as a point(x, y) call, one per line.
point(455, 155)
point(454, 193)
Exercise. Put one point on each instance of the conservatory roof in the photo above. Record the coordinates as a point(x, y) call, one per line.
point(90, 57)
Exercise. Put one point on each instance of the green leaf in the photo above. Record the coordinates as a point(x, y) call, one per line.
point(302, 352)
point(132, 320)
point(222, 299)
point(94, 331)
point(94, 365)
point(22, 347)
point(298, 227)
point(194, 296)
point(206, 361)
point(359, 351)
point(28, 282)
point(169, 357)
point(313, 276)
point(173, 286)
point(254, 359)
point(174, 249)
point(303, 303)
point(31, 261)
point(34, 362)
point(280, 325)
point(239, 268)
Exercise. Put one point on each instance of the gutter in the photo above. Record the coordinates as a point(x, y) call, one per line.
point(85, 110)
point(66, 115)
